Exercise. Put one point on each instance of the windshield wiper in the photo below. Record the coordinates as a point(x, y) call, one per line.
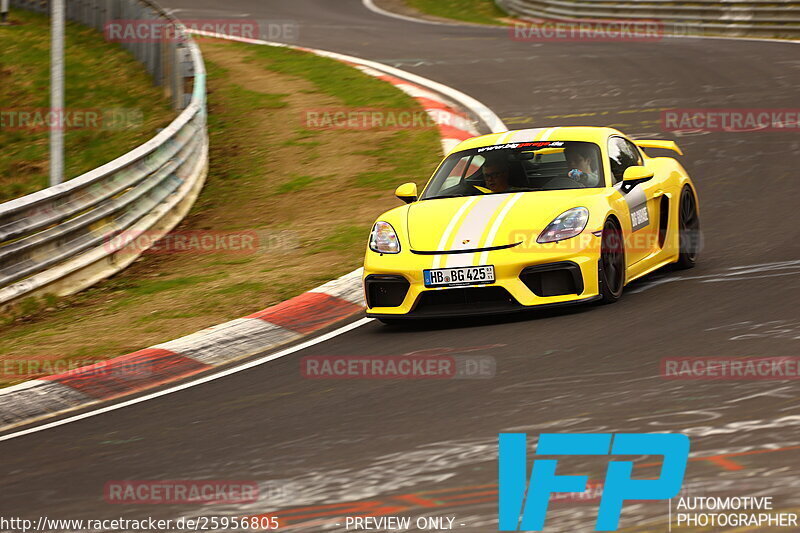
point(448, 196)
point(483, 194)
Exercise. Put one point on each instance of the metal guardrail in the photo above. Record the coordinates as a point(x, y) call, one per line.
point(60, 240)
point(762, 18)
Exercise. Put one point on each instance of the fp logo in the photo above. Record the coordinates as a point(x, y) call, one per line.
point(518, 513)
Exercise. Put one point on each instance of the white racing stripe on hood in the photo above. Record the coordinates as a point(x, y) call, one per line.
point(472, 229)
point(437, 259)
point(546, 135)
point(522, 135)
point(496, 227)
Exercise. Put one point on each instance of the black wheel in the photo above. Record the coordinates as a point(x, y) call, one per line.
point(611, 267)
point(688, 229)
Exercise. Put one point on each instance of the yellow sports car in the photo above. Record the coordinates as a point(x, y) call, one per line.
point(531, 218)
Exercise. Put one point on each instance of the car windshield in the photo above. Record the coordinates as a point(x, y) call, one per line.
point(514, 167)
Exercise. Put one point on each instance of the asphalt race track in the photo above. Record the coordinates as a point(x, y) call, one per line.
point(430, 447)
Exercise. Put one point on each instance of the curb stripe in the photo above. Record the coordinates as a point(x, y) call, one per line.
point(440, 105)
point(199, 380)
point(34, 399)
point(229, 341)
point(128, 373)
point(450, 132)
point(308, 312)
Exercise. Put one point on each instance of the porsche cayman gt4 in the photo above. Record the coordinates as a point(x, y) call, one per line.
point(527, 218)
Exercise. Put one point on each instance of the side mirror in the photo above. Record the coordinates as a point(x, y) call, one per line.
point(407, 192)
point(635, 175)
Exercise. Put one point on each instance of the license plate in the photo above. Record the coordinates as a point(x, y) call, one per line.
point(453, 277)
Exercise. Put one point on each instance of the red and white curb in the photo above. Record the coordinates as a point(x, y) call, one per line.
point(454, 125)
point(163, 363)
point(244, 337)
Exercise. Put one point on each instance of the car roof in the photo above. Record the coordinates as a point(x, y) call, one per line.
point(593, 134)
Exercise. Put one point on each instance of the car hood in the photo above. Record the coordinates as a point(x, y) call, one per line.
point(492, 220)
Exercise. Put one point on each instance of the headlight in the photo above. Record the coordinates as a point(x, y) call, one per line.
point(566, 225)
point(383, 239)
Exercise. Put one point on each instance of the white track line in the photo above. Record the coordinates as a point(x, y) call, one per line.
point(370, 4)
point(200, 381)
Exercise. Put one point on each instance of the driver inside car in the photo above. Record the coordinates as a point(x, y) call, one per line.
point(582, 162)
point(496, 175)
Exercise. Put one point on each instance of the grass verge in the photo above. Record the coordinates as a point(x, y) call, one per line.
point(104, 86)
point(307, 196)
point(474, 11)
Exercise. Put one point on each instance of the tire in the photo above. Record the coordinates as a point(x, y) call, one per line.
point(611, 266)
point(688, 229)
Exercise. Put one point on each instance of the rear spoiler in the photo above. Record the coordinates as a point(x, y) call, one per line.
point(666, 145)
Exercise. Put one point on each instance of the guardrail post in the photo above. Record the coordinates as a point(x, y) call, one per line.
point(3, 11)
point(158, 74)
point(57, 93)
point(149, 55)
point(124, 15)
point(97, 15)
point(178, 76)
point(168, 56)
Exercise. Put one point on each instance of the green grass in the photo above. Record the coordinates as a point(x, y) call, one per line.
point(245, 101)
point(99, 76)
point(405, 153)
point(332, 77)
point(243, 288)
point(157, 316)
point(343, 237)
point(233, 262)
point(149, 287)
point(475, 11)
point(231, 117)
point(303, 139)
point(400, 156)
point(296, 183)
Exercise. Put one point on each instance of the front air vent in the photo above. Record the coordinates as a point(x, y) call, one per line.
point(553, 279)
point(385, 290)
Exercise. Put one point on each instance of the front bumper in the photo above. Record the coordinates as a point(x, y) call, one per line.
point(544, 276)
